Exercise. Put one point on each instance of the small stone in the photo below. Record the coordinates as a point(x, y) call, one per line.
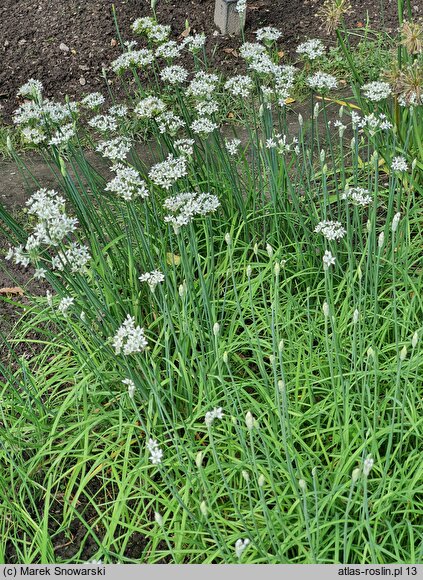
point(113, 42)
point(82, 81)
point(64, 47)
point(22, 42)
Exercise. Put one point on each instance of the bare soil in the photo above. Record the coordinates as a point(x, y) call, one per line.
point(67, 44)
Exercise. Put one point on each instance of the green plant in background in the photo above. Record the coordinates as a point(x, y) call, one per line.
point(229, 357)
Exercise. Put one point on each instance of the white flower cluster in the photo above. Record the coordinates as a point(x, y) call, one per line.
point(131, 387)
point(93, 100)
point(118, 111)
point(322, 81)
point(240, 546)
point(116, 149)
point(76, 258)
point(132, 58)
point(328, 260)
point(241, 6)
point(186, 206)
point(376, 91)
point(127, 183)
point(32, 89)
point(284, 81)
point(357, 195)
point(202, 85)
point(185, 146)
point(168, 122)
point(203, 126)
point(63, 135)
point(217, 413)
point(232, 146)
point(129, 338)
point(311, 49)
point(239, 86)
point(148, 26)
point(168, 50)
point(174, 74)
point(331, 230)
point(195, 42)
point(207, 107)
point(156, 453)
point(268, 34)
point(103, 123)
point(251, 50)
point(149, 107)
point(372, 122)
point(167, 172)
point(399, 164)
point(33, 135)
point(152, 278)
point(64, 304)
point(43, 113)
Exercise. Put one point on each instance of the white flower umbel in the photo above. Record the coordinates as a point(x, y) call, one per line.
point(203, 126)
point(174, 75)
point(268, 34)
point(210, 416)
point(331, 230)
point(149, 107)
point(63, 135)
point(143, 24)
point(159, 33)
point(240, 546)
point(168, 50)
point(152, 278)
point(116, 149)
point(184, 146)
point(311, 49)
point(75, 258)
point(250, 50)
point(33, 135)
point(241, 6)
point(127, 183)
point(328, 260)
point(358, 196)
point(129, 338)
point(118, 111)
point(232, 146)
point(64, 304)
point(207, 107)
point(376, 91)
point(31, 89)
point(132, 58)
point(93, 100)
point(186, 206)
point(399, 164)
point(131, 387)
point(103, 123)
point(367, 466)
point(168, 122)
point(202, 85)
point(239, 86)
point(195, 42)
point(167, 172)
point(321, 81)
point(156, 453)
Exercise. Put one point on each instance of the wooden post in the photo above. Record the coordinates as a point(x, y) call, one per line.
point(227, 19)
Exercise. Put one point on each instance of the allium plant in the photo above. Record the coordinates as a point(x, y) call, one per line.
point(226, 362)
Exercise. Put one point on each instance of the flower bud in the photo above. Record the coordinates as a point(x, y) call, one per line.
point(228, 238)
point(203, 508)
point(158, 518)
point(316, 110)
point(325, 309)
point(216, 328)
point(199, 459)
point(356, 316)
point(415, 339)
point(269, 250)
point(355, 474)
point(300, 120)
point(395, 222)
point(302, 484)
point(277, 269)
point(403, 353)
point(381, 240)
point(255, 249)
point(249, 269)
point(261, 480)
point(249, 421)
point(245, 475)
point(370, 352)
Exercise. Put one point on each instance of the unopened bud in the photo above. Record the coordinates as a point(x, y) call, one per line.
point(277, 269)
point(325, 309)
point(415, 339)
point(203, 508)
point(300, 120)
point(216, 328)
point(302, 484)
point(322, 156)
point(158, 518)
point(228, 238)
point(280, 345)
point(261, 480)
point(199, 459)
point(355, 474)
point(381, 239)
point(395, 222)
point(249, 421)
point(249, 270)
point(225, 357)
point(403, 353)
point(245, 475)
point(269, 250)
point(316, 110)
point(370, 352)
point(255, 248)
point(356, 316)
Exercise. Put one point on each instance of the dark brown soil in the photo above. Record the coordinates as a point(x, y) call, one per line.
point(32, 32)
